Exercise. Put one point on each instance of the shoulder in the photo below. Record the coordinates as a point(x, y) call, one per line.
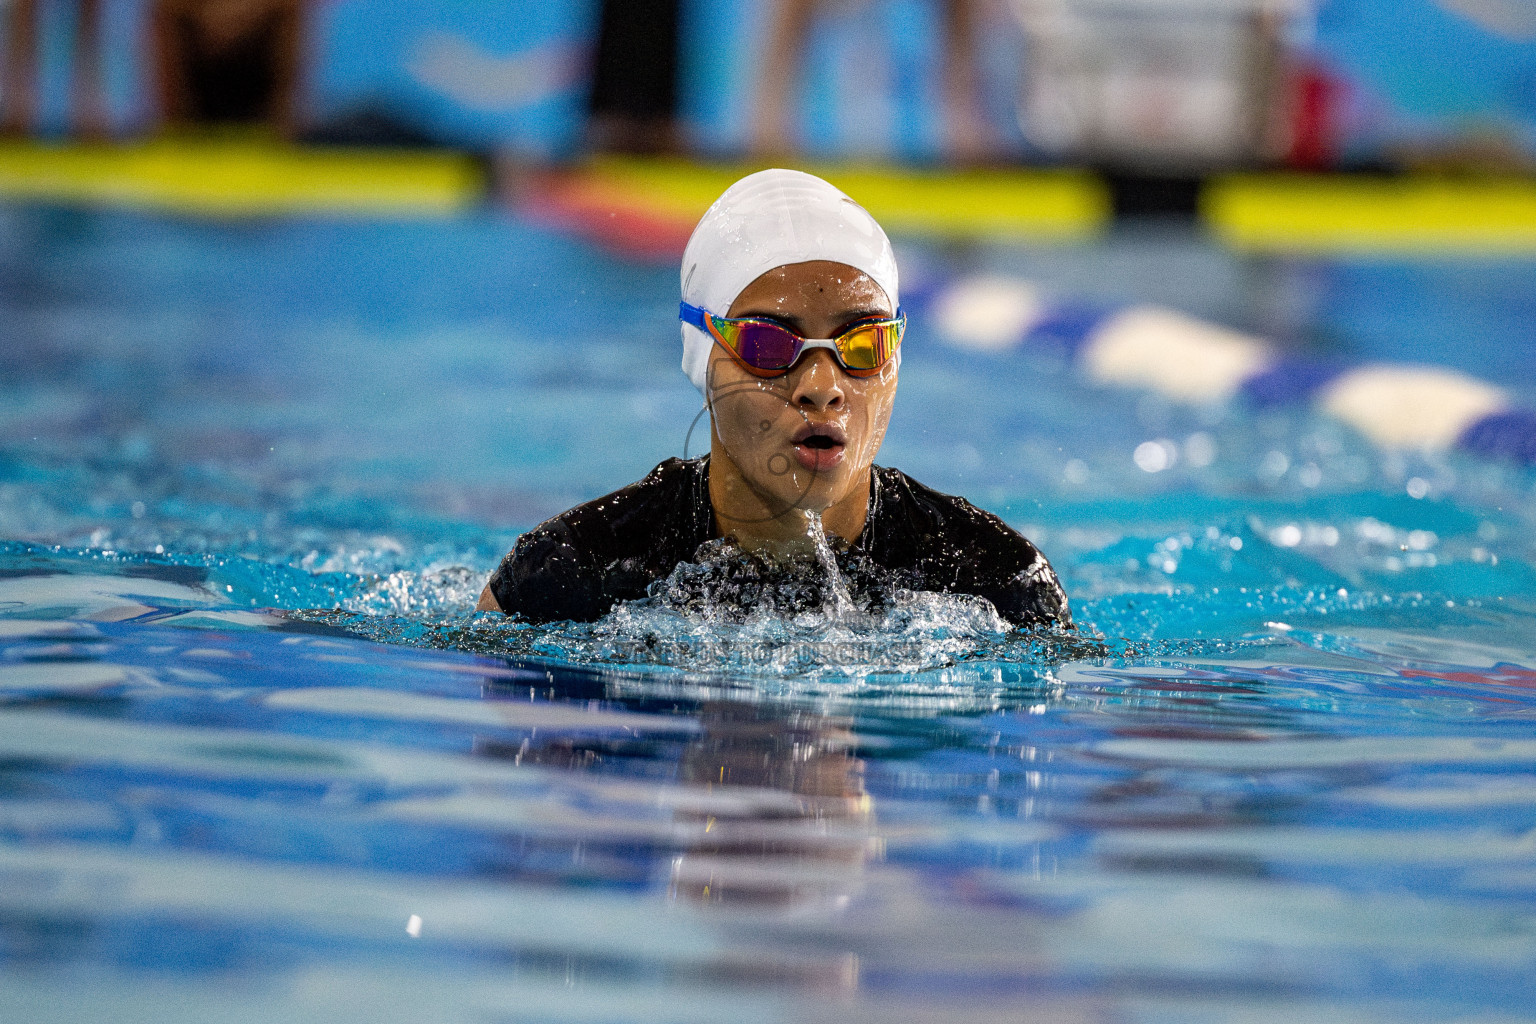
point(664, 490)
point(575, 565)
point(968, 549)
point(933, 514)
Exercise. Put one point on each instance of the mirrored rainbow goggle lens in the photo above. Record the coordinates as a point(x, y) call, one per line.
point(764, 345)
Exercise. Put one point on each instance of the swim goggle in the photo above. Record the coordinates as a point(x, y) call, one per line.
point(768, 349)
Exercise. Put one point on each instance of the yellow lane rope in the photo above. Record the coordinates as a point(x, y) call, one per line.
point(241, 178)
point(1301, 213)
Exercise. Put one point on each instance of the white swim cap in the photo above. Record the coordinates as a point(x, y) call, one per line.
point(767, 220)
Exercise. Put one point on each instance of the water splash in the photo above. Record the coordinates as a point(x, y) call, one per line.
point(841, 605)
point(814, 614)
point(435, 591)
point(822, 617)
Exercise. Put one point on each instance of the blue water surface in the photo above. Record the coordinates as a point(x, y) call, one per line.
point(260, 761)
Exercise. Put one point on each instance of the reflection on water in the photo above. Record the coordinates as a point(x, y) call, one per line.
point(799, 832)
point(207, 801)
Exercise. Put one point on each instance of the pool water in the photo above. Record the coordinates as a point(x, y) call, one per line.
point(259, 760)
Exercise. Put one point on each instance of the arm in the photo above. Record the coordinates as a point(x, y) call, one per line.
point(1034, 596)
point(488, 602)
point(544, 579)
point(1013, 574)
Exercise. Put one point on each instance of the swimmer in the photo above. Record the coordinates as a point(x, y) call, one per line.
point(791, 328)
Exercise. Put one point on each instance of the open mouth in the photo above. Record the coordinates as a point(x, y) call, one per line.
point(819, 446)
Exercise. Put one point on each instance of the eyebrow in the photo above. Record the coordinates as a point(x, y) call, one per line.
point(846, 318)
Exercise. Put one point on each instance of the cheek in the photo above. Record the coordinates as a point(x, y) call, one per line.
point(872, 411)
point(747, 412)
point(748, 418)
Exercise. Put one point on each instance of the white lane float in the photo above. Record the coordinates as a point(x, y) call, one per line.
point(1191, 361)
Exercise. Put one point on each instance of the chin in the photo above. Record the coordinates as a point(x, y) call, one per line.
point(825, 491)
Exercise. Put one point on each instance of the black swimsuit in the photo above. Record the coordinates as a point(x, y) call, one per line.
point(579, 564)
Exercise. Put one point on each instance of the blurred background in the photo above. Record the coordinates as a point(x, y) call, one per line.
point(1169, 90)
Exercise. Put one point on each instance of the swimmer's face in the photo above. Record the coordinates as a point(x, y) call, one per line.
point(805, 440)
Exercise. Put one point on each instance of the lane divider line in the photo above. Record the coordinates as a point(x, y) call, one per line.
point(1194, 362)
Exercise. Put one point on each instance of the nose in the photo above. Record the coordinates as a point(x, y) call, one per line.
point(818, 382)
